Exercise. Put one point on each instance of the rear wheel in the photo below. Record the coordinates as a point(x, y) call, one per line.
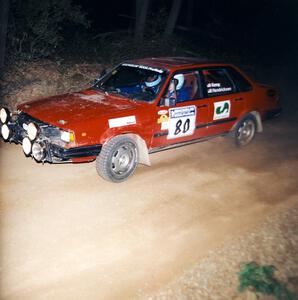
point(118, 159)
point(245, 131)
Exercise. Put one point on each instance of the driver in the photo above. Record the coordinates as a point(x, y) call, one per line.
point(152, 83)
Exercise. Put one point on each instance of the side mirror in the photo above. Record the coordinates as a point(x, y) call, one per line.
point(170, 97)
point(170, 102)
point(96, 80)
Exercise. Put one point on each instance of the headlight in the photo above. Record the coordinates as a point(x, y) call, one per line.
point(5, 131)
point(27, 146)
point(67, 136)
point(38, 151)
point(4, 113)
point(32, 131)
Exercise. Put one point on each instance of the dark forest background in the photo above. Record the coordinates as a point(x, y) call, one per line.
point(256, 31)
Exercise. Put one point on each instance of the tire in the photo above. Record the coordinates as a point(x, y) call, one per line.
point(118, 159)
point(245, 131)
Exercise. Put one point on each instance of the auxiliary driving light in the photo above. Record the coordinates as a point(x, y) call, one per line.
point(32, 131)
point(27, 146)
point(4, 113)
point(38, 151)
point(5, 132)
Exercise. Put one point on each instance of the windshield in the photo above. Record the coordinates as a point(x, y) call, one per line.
point(136, 82)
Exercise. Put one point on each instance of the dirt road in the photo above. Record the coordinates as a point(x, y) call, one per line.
point(68, 234)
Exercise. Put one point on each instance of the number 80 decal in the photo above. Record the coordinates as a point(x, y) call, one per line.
point(182, 121)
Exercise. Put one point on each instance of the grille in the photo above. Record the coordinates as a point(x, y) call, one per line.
point(47, 131)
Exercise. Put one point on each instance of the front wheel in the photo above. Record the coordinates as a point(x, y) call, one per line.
point(118, 159)
point(245, 131)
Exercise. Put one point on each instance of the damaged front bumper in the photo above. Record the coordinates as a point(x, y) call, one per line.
point(64, 155)
point(47, 145)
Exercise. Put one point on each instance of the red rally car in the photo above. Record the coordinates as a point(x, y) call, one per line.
point(139, 107)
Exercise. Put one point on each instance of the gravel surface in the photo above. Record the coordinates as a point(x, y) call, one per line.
point(79, 238)
point(275, 242)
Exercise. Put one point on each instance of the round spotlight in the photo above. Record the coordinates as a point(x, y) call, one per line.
point(32, 131)
point(38, 151)
point(4, 113)
point(27, 146)
point(5, 132)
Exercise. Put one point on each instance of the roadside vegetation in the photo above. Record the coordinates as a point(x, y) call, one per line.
point(261, 280)
point(59, 41)
point(61, 31)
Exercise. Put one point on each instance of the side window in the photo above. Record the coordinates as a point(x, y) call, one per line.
point(217, 82)
point(184, 87)
point(241, 83)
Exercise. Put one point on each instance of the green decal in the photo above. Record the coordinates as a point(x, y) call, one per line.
point(222, 109)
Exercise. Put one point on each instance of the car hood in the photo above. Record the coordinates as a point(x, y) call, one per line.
point(67, 109)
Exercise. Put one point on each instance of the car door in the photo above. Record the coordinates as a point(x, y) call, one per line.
point(183, 121)
point(225, 102)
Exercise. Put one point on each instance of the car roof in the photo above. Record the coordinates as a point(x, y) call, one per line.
point(172, 63)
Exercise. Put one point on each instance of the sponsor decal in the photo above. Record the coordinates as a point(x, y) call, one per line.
point(124, 121)
point(215, 87)
point(164, 121)
point(213, 84)
point(182, 121)
point(162, 112)
point(222, 109)
point(144, 67)
point(164, 126)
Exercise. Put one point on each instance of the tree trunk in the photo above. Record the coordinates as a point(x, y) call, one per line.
point(4, 9)
point(172, 17)
point(141, 13)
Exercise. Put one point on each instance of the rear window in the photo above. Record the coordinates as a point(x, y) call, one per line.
point(241, 83)
point(217, 82)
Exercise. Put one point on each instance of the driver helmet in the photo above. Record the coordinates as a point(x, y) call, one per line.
point(153, 80)
point(180, 81)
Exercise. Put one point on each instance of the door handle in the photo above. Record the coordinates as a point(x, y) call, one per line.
point(201, 106)
point(238, 99)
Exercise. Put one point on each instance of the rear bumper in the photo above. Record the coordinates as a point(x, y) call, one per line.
point(272, 113)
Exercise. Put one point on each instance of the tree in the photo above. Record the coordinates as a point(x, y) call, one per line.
point(37, 27)
point(141, 13)
point(175, 9)
point(4, 10)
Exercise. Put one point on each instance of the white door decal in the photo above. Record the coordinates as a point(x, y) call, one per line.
point(222, 109)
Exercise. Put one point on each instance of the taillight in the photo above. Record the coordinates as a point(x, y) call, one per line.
point(271, 93)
